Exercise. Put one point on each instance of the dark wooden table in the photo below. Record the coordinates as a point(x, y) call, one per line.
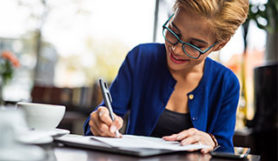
point(61, 153)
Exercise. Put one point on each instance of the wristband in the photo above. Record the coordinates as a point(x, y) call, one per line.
point(214, 140)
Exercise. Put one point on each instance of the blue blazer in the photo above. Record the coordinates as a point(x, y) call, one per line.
point(144, 85)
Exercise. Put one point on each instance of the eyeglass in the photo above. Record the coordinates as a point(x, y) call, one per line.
point(189, 49)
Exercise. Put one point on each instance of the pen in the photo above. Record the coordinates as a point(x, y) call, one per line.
point(107, 100)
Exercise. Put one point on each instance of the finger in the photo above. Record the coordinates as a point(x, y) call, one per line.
point(103, 115)
point(103, 130)
point(191, 150)
point(95, 131)
point(116, 125)
point(95, 121)
point(94, 128)
point(118, 134)
point(172, 137)
point(92, 124)
point(93, 117)
point(206, 150)
point(97, 124)
point(118, 122)
point(115, 132)
point(191, 140)
point(187, 133)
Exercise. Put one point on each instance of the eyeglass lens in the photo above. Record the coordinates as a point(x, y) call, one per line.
point(172, 39)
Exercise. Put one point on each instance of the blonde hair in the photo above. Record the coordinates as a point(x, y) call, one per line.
point(225, 15)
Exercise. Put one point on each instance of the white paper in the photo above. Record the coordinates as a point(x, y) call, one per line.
point(133, 141)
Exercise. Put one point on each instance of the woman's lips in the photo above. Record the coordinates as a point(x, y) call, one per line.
point(177, 60)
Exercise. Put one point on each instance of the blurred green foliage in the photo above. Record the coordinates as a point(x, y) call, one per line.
point(6, 71)
point(265, 15)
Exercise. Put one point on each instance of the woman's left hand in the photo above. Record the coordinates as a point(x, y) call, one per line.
point(193, 136)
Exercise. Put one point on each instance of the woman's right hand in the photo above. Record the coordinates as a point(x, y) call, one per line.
point(102, 125)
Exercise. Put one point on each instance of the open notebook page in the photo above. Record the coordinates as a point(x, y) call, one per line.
point(133, 141)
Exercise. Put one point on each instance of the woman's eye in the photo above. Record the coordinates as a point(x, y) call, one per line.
point(197, 45)
point(179, 35)
point(174, 30)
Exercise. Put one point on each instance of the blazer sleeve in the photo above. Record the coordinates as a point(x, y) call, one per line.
point(225, 123)
point(120, 89)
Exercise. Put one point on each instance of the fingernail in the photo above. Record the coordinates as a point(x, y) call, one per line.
point(179, 137)
point(117, 133)
point(173, 136)
point(100, 113)
point(113, 129)
point(183, 143)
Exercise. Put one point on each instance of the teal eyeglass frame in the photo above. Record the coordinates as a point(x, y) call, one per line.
point(184, 43)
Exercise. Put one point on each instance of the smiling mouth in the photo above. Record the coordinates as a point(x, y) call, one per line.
point(176, 59)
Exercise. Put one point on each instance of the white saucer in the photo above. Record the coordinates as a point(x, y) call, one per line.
point(57, 132)
point(41, 136)
point(35, 138)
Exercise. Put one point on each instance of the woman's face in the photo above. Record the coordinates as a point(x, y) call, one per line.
point(192, 29)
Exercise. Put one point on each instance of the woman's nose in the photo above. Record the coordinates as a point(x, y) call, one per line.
point(177, 49)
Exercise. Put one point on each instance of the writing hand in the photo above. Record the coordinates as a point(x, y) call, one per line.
point(102, 125)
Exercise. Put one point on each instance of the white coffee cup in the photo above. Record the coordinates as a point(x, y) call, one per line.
point(42, 116)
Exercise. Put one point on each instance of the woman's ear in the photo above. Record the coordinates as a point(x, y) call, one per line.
point(220, 45)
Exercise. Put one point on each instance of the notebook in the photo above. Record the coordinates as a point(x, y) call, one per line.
point(140, 146)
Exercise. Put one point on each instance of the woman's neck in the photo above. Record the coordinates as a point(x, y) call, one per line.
point(182, 75)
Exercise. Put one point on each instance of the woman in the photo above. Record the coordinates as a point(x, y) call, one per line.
point(174, 90)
